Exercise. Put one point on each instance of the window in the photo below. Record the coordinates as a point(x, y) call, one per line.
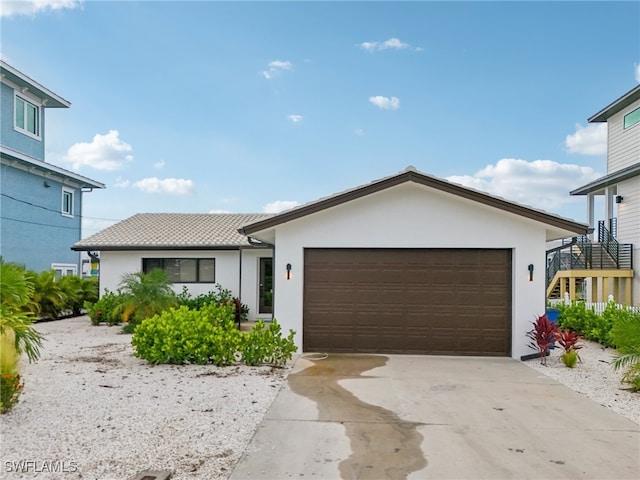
point(183, 270)
point(27, 118)
point(631, 118)
point(64, 269)
point(67, 202)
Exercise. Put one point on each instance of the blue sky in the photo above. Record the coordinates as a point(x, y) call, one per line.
point(257, 106)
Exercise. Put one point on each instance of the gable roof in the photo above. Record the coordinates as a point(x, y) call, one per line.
point(49, 99)
point(412, 175)
point(173, 231)
point(598, 186)
point(623, 102)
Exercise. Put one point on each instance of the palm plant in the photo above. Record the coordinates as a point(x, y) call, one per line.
point(146, 294)
point(48, 297)
point(630, 361)
point(16, 292)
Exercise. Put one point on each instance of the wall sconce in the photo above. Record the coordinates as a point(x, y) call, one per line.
point(46, 184)
point(619, 198)
point(288, 271)
point(531, 272)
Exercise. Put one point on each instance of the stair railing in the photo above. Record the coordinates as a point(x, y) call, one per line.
point(609, 242)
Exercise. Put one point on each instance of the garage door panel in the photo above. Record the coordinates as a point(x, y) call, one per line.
point(438, 301)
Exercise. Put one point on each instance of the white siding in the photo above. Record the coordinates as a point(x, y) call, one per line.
point(227, 271)
point(413, 216)
point(623, 146)
point(629, 225)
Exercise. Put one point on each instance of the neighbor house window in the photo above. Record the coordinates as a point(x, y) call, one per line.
point(27, 118)
point(67, 202)
point(183, 270)
point(64, 269)
point(631, 118)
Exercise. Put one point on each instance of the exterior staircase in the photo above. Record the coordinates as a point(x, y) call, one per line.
point(584, 269)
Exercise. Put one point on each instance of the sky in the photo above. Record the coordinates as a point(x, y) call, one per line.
point(246, 107)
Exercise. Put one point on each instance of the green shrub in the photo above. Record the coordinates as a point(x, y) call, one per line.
point(221, 296)
point(266, 345)
point(180, 336)
point(109, 309)
point(576, 317)
point(569, 358)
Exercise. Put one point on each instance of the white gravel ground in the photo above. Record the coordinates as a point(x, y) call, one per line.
point(593, 377)
point(91, 408)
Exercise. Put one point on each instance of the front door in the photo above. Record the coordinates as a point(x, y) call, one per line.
point(265, 302)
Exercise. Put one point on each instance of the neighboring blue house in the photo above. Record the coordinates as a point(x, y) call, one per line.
point(40, 203)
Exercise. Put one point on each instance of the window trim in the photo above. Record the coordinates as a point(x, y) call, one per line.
point(71, 192)
point(197, 269)
point(27, 101)
point(63, 268)
point(624, 118)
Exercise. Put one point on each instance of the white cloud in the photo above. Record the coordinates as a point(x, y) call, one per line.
point(121, 183)
point(295, 118)
point(359, 132)
point(385, 103)
point(279, 206)
point(32, 7)
point(276, 67)
point(392, 43)
point(219, 211)
point(589, 140)
point(105, 152)
point(543, 184)
point(159, 165)
point(637, 72)
point(173, 186)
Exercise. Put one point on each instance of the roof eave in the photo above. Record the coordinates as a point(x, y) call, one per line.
point(39, 164)
point(608, 180)
point(51, 99)
point(417, 177)
point(613, 108)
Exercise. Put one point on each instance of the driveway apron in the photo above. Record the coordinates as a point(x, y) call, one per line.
point(421, 417)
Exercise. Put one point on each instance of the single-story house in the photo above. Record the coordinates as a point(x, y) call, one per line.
point(410, 263)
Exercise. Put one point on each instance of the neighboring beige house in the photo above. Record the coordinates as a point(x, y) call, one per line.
point(617, 235)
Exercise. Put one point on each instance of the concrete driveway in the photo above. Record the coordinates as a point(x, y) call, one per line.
point(422, 417)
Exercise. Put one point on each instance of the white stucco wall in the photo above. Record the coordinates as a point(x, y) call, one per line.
point(114, 264)
point(413, 216)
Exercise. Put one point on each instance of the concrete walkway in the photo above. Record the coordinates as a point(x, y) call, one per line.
point(421, 417)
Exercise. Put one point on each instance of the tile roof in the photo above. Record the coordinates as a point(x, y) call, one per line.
point(181, 231)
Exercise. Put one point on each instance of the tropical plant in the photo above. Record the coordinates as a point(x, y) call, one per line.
point(10, 385)
point(631, 362)
point(48, 298)
point(146, 294)
point(570, 358)
point(625, 335)
point(108, 309)
point(181, 335)
point(15, 317)
point(266, 345)
point(542, 336)
point(78, 291)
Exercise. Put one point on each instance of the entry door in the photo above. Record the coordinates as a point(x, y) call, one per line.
point(265, 300)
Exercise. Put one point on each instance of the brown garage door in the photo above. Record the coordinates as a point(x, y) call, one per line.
point(417, 301)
